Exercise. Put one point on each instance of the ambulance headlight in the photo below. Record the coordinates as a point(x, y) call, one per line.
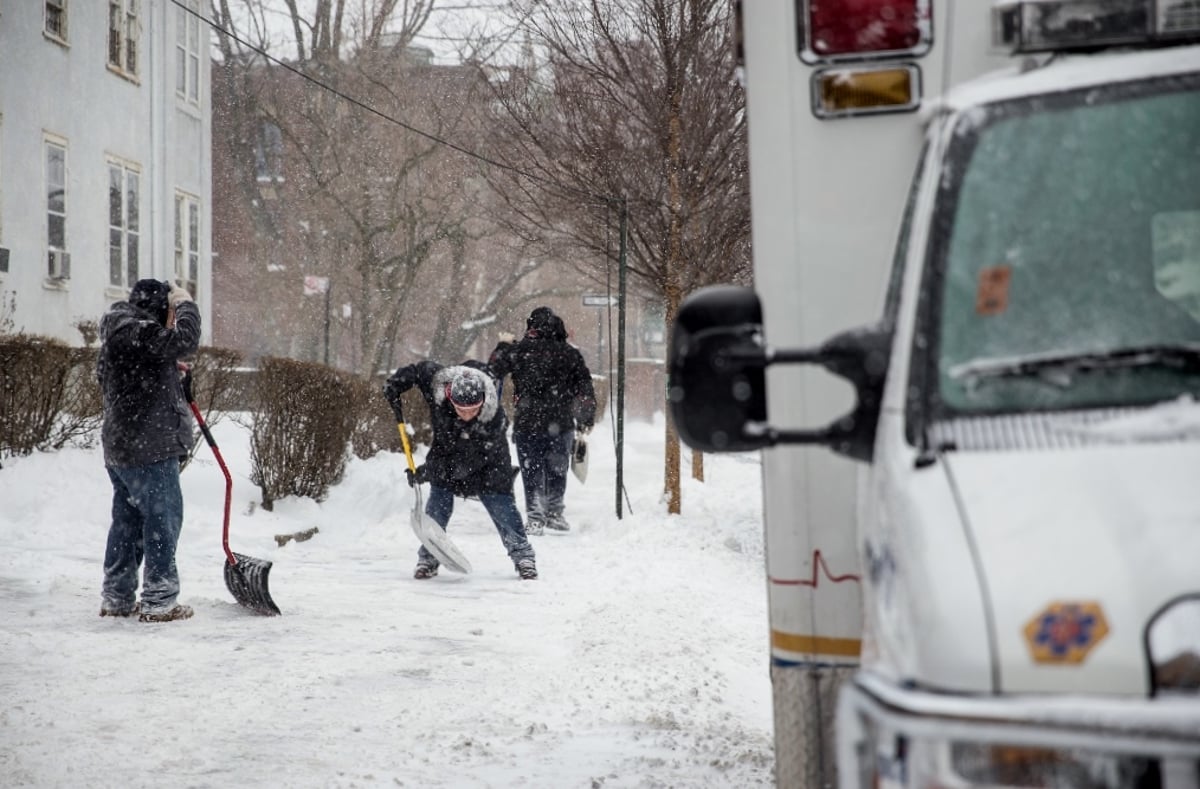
point(1173, 646)
point(1009, 765)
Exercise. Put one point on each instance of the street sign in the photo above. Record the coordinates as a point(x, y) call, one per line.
point(599, 300)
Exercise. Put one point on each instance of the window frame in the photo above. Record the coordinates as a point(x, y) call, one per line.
point(268, 153)
point(56, 11)
point(4, 252)
point(187, 52)
point(128, 224)
point(187, 241)
point(49, 143)
point(1, 183)
point(127, 35)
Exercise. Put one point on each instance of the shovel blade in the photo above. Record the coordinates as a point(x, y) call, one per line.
point(435, 539)
point(247, 582)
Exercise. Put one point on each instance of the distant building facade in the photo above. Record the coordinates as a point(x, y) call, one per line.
point(105, 157)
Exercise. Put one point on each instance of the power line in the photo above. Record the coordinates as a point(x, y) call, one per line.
point(408, 127)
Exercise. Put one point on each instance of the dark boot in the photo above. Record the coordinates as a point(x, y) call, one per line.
point(527, 570)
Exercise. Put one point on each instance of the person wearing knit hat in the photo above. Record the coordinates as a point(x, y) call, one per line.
point(553, 397)
point(466, 390)
point(146, 430)
point(469, 456)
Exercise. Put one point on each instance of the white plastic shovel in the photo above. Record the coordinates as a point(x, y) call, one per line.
point(432, 536)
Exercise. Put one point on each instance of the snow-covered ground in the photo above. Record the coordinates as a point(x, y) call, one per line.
point(638, 659)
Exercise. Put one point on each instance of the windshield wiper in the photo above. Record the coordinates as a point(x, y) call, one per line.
point(1182, 356)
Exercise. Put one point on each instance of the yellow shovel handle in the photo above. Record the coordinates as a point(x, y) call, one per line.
point(407, 449)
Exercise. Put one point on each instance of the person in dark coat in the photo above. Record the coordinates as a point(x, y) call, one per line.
point(469, 456)
point(552, 397)
point(147, 431)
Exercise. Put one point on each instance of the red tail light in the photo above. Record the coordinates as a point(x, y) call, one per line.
point(843, 29)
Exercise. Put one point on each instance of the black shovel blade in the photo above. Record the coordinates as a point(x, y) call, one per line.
point(247, 582)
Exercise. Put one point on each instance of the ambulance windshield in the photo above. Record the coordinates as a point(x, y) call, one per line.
point(1070, 252)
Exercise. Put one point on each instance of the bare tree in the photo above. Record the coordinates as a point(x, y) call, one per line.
point(351, 159)
point(631, 99)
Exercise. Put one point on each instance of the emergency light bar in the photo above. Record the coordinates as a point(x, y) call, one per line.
point(1027, 26)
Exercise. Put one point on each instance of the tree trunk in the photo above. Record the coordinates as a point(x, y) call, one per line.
point(674, 266)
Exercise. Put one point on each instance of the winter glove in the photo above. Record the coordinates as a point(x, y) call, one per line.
point(391, 393)
point(507, 336)
point(185, 380)
point(415, 477)
point(177, 296)
point(396, 408)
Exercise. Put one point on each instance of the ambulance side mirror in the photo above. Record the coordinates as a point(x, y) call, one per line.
point(717, 377)
point(716, 381)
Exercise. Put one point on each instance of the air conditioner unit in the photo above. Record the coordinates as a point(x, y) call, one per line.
point(60, 264)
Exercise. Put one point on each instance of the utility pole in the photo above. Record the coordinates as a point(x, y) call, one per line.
point(624, 223)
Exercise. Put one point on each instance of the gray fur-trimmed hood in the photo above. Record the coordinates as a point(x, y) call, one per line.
point(491, 400)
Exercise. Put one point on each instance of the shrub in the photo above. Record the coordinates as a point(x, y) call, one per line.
point(375, 426)
point(303, 420)
point(48, 394)
point(376, 430)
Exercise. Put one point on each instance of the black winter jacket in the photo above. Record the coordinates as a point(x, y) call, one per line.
point(146, 419)
point(467, 458)
point(552, 387)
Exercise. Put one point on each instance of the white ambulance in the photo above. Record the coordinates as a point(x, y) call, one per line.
point(982, 507)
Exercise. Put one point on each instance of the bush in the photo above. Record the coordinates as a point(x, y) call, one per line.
point(377, 423)
point(48, 395)
point(375, 427)
point(214, 380)
point(304, 419)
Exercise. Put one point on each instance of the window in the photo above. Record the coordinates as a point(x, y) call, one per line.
point(3, 250)
point(123, 35)
point(1, 180)
point(187, 50)
point(56, 196)
point(187, 240)
point(56, 19)
point(1175, 252)
point(1050, 285)
point(268, 153)
point(124, 189)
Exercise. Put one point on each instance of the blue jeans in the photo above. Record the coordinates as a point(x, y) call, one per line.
point(147, 516)
point(505, 515)
point(545, 460)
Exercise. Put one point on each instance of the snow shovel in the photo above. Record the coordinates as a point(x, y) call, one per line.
point(431, 535)
point(579, 457)
point(245, 576)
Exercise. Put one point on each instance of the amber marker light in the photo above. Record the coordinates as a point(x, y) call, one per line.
point(845, 92)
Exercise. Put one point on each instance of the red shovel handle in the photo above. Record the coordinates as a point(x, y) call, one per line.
point(221, 462)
